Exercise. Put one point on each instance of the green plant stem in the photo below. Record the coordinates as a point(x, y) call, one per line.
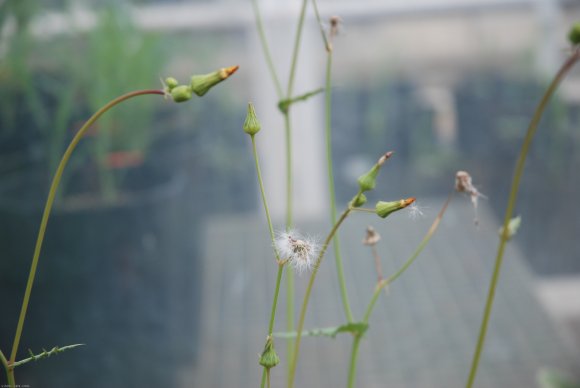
point(332, 195)
point(325, 39)
point(289, 224)
point(9, 370)
point(510, 208)
point(49, 202)
point(381, 285)
point(297, 39)
point(384, 283)
point(353, 360)
point(300, 327)
point(276, 253)
point(266, 49)
point(288, 139)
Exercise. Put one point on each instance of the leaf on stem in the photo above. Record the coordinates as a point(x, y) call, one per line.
point(45, 354)
point(356, 328)
point(284, 105)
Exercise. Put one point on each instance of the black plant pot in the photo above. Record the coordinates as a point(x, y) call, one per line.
point(120, 278)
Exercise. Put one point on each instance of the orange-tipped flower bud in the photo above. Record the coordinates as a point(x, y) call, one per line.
point(201, 84)
point(384, 209)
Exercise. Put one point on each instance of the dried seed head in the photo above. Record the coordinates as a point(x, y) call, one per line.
point(372, 237)
point(300, 251)
point(335, 22)
point(463, 184)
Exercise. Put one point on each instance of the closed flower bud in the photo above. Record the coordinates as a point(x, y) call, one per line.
point(359, 200)
point(171, 83)
point(574, 34)
point(269, 358)
point(201, 84)
point(367, 181)
point(181, 93)
point(384, 209)
point(251, 125)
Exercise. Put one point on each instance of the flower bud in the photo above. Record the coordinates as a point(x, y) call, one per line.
point(201, 84)
point(181, 93)
point(251, 125)
point(269, 358)
point(359, 200)
point(383, 209)
point(171, 83)
point(574, 34)
point(367, 181)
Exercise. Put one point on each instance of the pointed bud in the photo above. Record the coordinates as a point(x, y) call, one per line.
point(359, 200)
point(201, 84)
point(574, 34)
point(180, 93)
point(383, 209)
point(269, 358)
point(171, 83)
point(251, 125)
point(367, 181)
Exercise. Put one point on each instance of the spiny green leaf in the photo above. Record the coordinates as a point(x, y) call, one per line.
point(45, 353)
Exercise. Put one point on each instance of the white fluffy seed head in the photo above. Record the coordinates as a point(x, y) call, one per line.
point(300, 251)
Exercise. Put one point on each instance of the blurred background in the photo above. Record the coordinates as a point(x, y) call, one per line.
point(140, 260)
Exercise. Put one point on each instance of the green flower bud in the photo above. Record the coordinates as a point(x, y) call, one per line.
point(251, 125)
point(359, 200)
point(367, 181)
point(171, 83)
point(201, 84)
point(269, 358)
point(383, 209)
point(181, 93)
point(574, 34)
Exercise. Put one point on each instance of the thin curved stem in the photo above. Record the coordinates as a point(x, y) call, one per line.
point(300, 327)
point(49, 202)
point(289, 203)
point(331, 190)
point(381, 285)
point(510, 208)
point(384, 283)
point(266, 49)
point(297, 39)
